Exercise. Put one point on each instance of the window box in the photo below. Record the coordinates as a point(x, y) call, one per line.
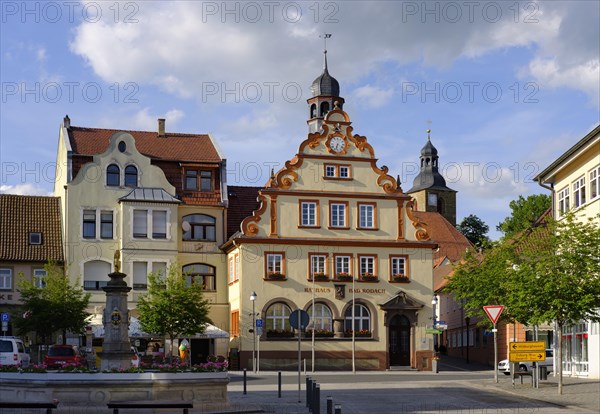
point(343, 277)
point(368, 277)
point(320, 276)
point(279, 334)
point(358, 334)
point(400, 278)
point(320, 333)
point(275, 276)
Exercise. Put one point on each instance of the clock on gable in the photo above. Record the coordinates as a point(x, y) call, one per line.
point(337, 144)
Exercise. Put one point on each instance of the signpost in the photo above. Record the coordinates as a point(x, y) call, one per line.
point(5, 318)
point(493, 312)
point(299, 320)
point(515, 347)
point(526, 356)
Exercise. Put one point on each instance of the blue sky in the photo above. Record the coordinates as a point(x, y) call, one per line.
point(506, 87)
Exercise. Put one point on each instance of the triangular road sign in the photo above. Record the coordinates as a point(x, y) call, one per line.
point(493, 312)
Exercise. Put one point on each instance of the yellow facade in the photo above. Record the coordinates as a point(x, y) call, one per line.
point(333, 229)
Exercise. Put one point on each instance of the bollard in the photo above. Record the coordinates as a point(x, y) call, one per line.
point(338, 409)
point(313, 395)
point(329, 404)
point(317, 408)
point(279, 385)
point(308, 392)
point(245, 381)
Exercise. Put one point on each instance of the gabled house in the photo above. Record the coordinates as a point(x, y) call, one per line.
point(30, 237)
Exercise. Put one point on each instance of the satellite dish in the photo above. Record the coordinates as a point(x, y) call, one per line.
point(186, 226)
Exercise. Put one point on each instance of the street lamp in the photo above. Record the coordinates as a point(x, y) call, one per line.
point(434, 302)
point(253, 299)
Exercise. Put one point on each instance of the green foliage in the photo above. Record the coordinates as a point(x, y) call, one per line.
point(525, 211)
point(58, 306)
point(475, 230)
point(558, 273)
point(171, 308)
point(551, 273)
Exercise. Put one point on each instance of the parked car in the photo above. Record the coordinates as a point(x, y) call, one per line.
point(12, 352)
point(504, 365)
point(60, 355)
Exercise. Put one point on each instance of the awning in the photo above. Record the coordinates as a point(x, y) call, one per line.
point(135, 330)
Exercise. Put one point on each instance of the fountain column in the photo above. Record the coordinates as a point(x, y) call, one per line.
point(116, 348)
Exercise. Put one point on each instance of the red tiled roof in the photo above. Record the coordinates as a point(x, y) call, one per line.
point(20, 215)
point(179, 147)
point(452, 243)
point(242, 202)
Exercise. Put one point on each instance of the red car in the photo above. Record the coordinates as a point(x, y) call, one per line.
point(63, 355)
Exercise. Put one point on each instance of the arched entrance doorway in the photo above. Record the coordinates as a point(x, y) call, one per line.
point(399, 341)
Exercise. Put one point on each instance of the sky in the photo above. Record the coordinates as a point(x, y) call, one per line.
point(505, 86)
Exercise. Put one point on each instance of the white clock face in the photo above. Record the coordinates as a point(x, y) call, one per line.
point(337, 144)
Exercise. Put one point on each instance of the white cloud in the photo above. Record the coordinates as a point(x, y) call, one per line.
point(41, 54)
point(372, 96)
point(24, 189)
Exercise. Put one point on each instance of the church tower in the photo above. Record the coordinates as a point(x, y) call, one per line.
point(325, 92)
point(429, 186)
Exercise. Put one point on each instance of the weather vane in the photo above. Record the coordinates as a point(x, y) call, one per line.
point(325, 36)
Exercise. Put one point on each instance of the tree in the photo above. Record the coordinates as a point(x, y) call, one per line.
point(171, 308)
point(525, 211)
point(57, 305)
point(557, 277)
point(475, 230)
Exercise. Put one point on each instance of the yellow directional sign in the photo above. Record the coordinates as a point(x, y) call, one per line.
point(526, 356)
point(526, 346)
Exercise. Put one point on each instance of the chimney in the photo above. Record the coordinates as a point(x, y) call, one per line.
point(67, 121)
point(161, 127)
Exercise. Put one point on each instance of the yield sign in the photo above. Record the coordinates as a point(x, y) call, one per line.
point(493, 312)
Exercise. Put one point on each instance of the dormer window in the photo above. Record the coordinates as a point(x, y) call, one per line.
point(35, 238)
point(113, 175)
point(131, 176)
point(199, 180)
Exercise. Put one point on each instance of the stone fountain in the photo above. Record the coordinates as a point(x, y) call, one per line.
point(116, 348)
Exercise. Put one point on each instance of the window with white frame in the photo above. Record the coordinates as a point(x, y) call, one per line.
point(278, 317)
point(89, 224)
point(398, 266)
point(318, 265)
point(367, 266)
point(337, 171)
point(308, 213)
point(201, 227)
point(342, 265)
point(231, 274)
point(98, 222)
point(594, 183)
point(38, 278)
point(5, 279)
point(321, 318)
point(95, 274)
point(362, 319)
point(274, 264)
point(106, 225)
point(579, 192)
point(366, 216)
point(330, 171)
point(35, 237)
point(154, 219)
point(140, 275)
point(159, 224)
point(338, 214)
point(563, 201)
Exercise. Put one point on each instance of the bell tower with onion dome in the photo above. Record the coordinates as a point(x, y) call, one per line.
point(325, 91)
point(429, 186)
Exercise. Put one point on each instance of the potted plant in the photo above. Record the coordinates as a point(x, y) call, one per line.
point(363, 333)
point(279, 333)
point(322, 333)
point(400, 278)
point(275, 276)
point(434, 363)
point(368, 277)
point(320, 276)
point(343, 276)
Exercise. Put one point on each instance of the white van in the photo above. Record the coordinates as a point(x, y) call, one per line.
point(12, 352)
